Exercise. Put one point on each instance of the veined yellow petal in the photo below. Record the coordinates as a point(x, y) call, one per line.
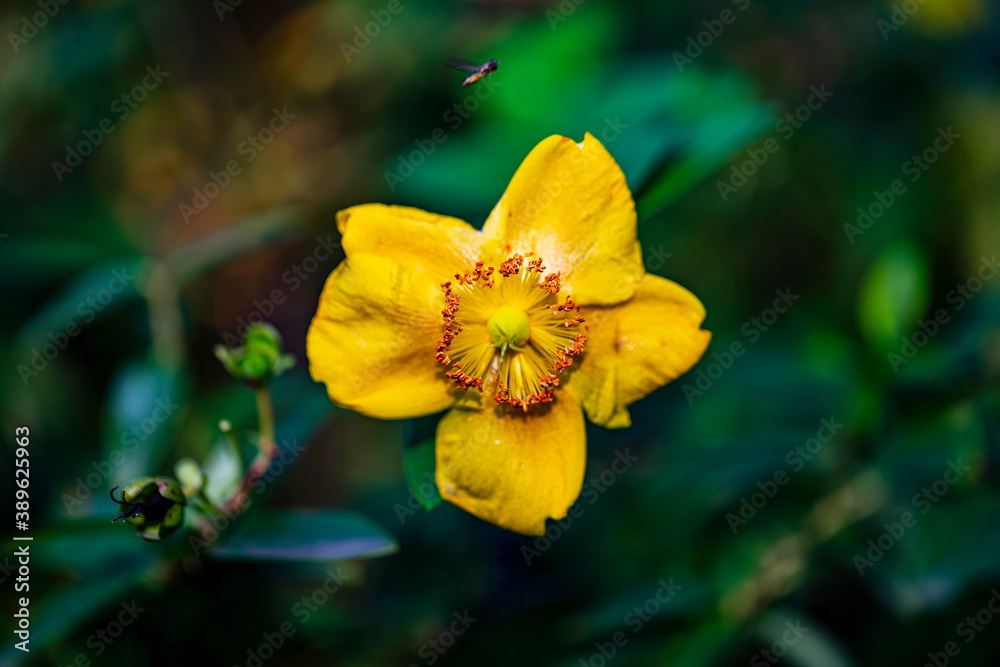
point(637, 347)
point(510, 467)
point(373, 338)
point(434, 244)
point(569, 204)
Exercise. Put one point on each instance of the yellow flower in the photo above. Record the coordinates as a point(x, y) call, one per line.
point(516, 330)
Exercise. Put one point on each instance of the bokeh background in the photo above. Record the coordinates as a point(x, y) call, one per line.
point(114, 116)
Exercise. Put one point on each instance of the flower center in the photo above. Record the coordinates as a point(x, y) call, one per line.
point(509, 333)
point(509, 327)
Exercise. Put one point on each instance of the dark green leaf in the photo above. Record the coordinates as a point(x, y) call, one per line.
point(305, 535)
point(62, 611)
point(418, 464)
point(143, 411)
point(93, 295)
point(710, 144)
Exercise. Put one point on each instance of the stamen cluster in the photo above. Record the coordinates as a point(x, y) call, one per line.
point(519, 376)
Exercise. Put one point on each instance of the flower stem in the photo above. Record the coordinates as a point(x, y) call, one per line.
point(266, 450)
point(165, 323)
point(265, 415)
point(207, 503)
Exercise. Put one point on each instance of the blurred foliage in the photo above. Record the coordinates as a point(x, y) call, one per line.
point(153, 241)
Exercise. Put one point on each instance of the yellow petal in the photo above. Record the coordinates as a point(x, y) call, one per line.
point(434, 244)
point(510, 467)
point(373, 338)
point(569, 204)
point(637, 347)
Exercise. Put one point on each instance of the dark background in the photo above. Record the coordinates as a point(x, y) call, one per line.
point(363, 107)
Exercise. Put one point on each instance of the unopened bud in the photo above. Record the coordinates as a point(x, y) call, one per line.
point(154, 505)
point(260, 357)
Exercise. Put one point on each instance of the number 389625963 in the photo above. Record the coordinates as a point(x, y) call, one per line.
point(21, 473)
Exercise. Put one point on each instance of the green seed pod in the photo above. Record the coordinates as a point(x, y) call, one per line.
point(264, 340)
point(153, 505)
point(260, 357)
point(254, 366)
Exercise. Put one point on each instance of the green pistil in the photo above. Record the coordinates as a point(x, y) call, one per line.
point(509, 328)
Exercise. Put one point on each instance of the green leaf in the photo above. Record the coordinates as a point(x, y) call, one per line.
point(305, 535)
point(814, 645)
point(418, 465)
point(91, 296)
point(950, 551)
point(893, 296)
point(62, 611)
point(144, 406)
point(710, 145)
point(91, 548)
point(223, 469)
point(104, 561)
point(705, 641)
point(34, 260)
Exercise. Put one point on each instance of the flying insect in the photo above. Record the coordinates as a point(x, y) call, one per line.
point(478, 71)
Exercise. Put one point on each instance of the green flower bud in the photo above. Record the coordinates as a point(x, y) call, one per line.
point(263, 339)
point(254, 366)
point(260, 357)
point(190, 476)
point(154, 505)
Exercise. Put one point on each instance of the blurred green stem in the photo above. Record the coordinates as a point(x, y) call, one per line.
point(208, 504)
point(165, 323)
point(860, 497)
point(266, 450)
point(265, 416)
